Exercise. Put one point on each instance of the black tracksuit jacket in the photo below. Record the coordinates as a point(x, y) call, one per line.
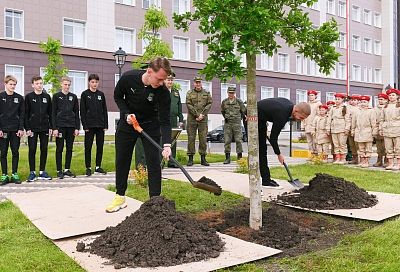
point(65, 110)
point(12, 110)
point(38, 112)
point(93, 110)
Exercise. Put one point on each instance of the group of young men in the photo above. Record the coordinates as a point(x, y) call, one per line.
point(349, 123)
point(40, 116)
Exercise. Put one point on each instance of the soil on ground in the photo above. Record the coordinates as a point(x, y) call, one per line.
point(328, 193)
point(157, 235)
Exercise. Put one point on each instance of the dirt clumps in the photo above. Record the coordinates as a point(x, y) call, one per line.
point(329, 193)
point(157, 235)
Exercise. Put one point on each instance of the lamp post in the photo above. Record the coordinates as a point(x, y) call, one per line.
point(120, 57)
point(388, 87)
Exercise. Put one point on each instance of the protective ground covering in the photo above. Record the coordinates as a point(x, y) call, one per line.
point(329, 193)
point(157, 235)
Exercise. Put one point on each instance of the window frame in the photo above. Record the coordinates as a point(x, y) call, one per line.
point(287, 65)
point(73, 79)
point(182, 93)
point(22, 24)
point(74, 21)
point(356, 17)
point(224, 90)
point(188, 47)
point(266, 88)
point(125, 29)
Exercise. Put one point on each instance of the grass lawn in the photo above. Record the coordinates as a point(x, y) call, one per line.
point(24, 248)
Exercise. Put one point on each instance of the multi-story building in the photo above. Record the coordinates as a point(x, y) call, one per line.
point(91, 30)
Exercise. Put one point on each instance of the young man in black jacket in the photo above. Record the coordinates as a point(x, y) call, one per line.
point(142, 94)
point(65, 118)
point(94, 118)
point(11, 128)
point(38, 124)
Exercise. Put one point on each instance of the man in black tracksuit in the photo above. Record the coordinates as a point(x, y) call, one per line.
point(142, 94)
point(94, 118)
point(38, 124)
point(278, 111)
point(65, 118)
point(11, 128)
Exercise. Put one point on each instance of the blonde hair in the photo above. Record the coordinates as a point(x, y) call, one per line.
point(9, 78)
point(65, 78)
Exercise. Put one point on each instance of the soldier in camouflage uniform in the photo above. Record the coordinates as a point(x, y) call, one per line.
point(176, 112)
point(232, 110)
point(198, 102)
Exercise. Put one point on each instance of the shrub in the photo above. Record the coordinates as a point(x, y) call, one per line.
point(140, 176)
point(242, 166)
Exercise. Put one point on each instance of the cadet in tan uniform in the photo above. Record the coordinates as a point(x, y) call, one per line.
point(380, 144)
point(389, 128)
point(232, 110)
point(330, 105)
point(198, 102)
point(322, 139)
point(338, 126)
point(306, 124)
point(353, 108)
point(364, 128)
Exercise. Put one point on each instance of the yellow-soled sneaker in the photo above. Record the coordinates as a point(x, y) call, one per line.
point(117, 203)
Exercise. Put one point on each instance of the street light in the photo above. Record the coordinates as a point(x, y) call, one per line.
point(120, 57)
point(388, 87)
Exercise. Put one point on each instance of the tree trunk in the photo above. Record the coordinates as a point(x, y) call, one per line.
point(252, 125)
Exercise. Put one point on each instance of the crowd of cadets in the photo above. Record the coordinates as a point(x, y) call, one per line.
point(40, 116)
point(349, 123)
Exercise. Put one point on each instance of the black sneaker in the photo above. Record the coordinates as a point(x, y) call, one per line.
point(100, 170)
point(60, 175)
point(270, 183)
point(68, 173)
point(88, 172)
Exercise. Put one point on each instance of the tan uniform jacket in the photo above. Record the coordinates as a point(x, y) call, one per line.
point(337, 122)
point(319, 129)
point(306, 124)
point(379, 112)
point(353, 110)
point(364, 126)
point(389, 122)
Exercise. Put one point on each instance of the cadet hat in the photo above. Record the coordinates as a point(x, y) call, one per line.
point(355, 97)
point(197, 78)
point(323, 106)
point(330, 102)
point(392, 91)
point(383, 95)
point(231, 90)
point(171, 76)
point(365, 98)
point(314, 92)
point(341, 95)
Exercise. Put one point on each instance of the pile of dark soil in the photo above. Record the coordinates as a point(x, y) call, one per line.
point(157, 235)
point(328, 192)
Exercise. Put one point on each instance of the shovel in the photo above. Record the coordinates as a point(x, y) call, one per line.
point(204, 183)
point(294, 182)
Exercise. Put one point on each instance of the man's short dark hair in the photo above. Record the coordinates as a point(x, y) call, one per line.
point(93, 76)
point(161, 63)
point(36, 78)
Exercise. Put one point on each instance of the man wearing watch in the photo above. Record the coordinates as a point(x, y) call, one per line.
point(142, 93)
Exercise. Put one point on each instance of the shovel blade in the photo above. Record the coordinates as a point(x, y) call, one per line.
point(297, 183)
point(208, 185)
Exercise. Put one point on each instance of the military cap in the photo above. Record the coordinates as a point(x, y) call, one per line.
point(365, 97)
point(355, 97)
point(231, 90)
point(392, 91)
point(314, 92)
point(341, 95)
point(330, 102)
point(171, 76)
point(324, 106)
point(383, 95)
point(197, 78)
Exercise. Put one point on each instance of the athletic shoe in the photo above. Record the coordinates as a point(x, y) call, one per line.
point(15, 178)
point(88, 172)
point(31, 177)
point(117, 203)
point(60, 175)
point(270, 183)
point(69, 174)
point(45, 176)
point(4, 179)
point(100, 170)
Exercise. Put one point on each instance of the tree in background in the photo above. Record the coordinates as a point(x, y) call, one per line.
point(234, 28)
point(55, 69)
point(154, 20)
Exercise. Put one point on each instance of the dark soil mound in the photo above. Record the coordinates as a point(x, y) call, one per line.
point(328, 192)
point(157, 235)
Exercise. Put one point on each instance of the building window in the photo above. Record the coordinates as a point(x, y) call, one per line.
point(199, 51)
point(149, 3)
point(224, 89)
point(367, 17)
point(377, 19)
point(299, 64)
point(341, 71)
point(185, 87)
point(207, 85)
point(377, 47)
point(301, 96)
point(116, 79)
point(367, 46)
point(243, 92)
point(14, 24)
point(78, 82)
point(313, 68)
point(356, 13)
point(356, 44)
point(181, 6)
point(341, 43)
point(181, 48)
point(74, 33)
point(283, 62)
point(18, 72)
point(356, 73)
point(284, 92)
point(267, 92)
point(330, 96)
point(126, 39)
point(378, 75)
point(125, 2)
point(267, 62)
point(368, 74)
point(330, 6)
point(342, 9)
point(145, 42)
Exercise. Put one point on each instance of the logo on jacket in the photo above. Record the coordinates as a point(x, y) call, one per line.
point(44, 100)
point(16, 101)
point(70, 98)
point(4, 99)
point(34, 100)
point(99, 97)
